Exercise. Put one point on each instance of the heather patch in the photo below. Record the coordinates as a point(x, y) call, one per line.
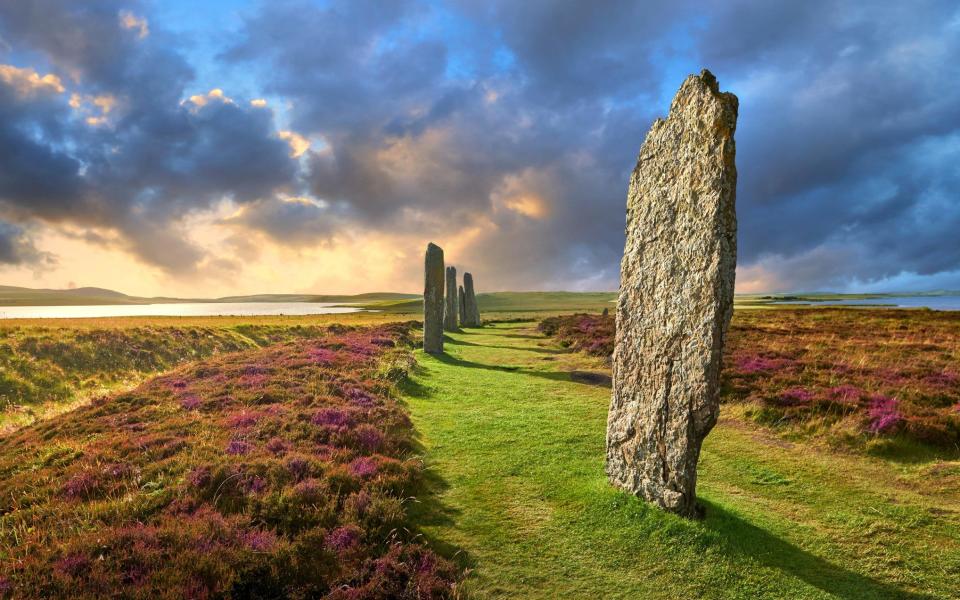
point(593, 334)
point(277, 472)
point(829, 368)
point(45, 370)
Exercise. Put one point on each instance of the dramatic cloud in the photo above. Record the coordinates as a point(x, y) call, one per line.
point(107, 140)
point(17, 249)
point(504, 130)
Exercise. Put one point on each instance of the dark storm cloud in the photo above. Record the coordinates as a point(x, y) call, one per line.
point(847, 134)
point(423, 135)
point(152, 160)
point(515, 123)
point(17, 249)
point(297, 221)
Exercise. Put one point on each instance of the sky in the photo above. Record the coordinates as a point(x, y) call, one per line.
point(174, 147)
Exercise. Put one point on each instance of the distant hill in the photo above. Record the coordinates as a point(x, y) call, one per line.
point(500, 302)
point(21, 296)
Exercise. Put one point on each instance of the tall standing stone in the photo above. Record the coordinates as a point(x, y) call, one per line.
point(450, 308)
point(433, 300)
point(471, 310)
point(462, 305)
point(676, 297)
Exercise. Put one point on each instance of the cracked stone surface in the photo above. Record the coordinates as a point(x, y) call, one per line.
point(676, 297)
point(433, 282)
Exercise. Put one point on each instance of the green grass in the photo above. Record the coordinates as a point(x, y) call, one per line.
point(516, 449)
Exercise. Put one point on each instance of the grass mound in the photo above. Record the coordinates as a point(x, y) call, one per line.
point(44, 369)
point(869, 376)
point(279, 472)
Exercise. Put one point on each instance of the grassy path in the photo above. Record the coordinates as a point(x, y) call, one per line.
point(515, 452)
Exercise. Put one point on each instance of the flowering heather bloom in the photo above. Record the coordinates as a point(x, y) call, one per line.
point(190, 401)
point(322, 356)
point(369, 437)
point(847, 394)
point(956, 407)
point(81, 485)
point(343, 538)
point(884, 413)
point(255, 380)
point(324, 451)
point(358, 502)
point(428, 563)
point(308, 489)
point(199, 477)
point(359, 397)
point(944, 379)
point(260, 540)
point(332, 416)
point(361, 347)
point(243, 419)
point(364, 466)
point(298, 467)
point(307, 485)
point(278, 446)
point(238, 447)
point(255, 485)
point(72, 565)
point(891, 376)
point(760, 364)
point(796, 397)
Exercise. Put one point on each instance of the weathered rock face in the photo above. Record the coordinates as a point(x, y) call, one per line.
point(433, 300)
point(450, 311)
point(471, 310)
point(676, 297)
point(462, 305)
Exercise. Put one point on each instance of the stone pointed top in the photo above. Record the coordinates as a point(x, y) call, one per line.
point(705, 84)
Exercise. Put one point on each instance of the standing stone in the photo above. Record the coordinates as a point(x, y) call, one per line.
point(471, 310)
point(433, 300)
point(676, 297)
point(450, 308)
point(462, 306)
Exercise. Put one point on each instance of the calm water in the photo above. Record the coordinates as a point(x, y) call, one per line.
point(933, 302)
point(193, 309)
